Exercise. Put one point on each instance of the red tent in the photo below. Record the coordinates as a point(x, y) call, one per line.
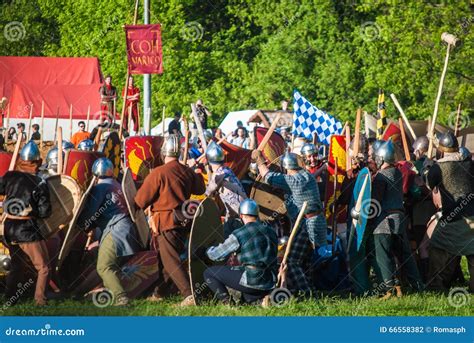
point(58, 81)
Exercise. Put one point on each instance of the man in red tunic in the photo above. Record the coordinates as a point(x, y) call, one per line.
point(108, 95)
point(131, 105)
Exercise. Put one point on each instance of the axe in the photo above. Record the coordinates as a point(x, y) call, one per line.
point(451, 41)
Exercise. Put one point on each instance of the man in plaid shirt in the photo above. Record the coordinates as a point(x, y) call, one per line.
point(300, 186)
point(257, 246)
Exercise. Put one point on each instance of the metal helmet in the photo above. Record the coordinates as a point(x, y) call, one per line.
point(249, 207)
point(464, 153)
point(447, 142)
point(385, 154)
point(52, 158)
point(207, 135)
point(421, 144)
point(290, 161)
point(375, 145)
point(67, 145)
point(171, 146)
point(30, 152)
point(103, 168)
point(86, 145)
point(214, 153)
point(309, 149)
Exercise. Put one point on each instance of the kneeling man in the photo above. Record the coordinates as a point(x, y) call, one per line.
point(256, 245)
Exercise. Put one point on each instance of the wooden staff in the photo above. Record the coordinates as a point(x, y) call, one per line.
point(97, 138)
point(15, 155)
point(125, 93)
point(88, 117)
point(458, 116)
point(186, 141)
point(138, 118)
point(348, 142)
point(402, 113)
point(163, 121)
point(315, 138)
point(267, 136)
point(59, 134)
point(42, 124)
point(355, 146)
point(282, 274)
point(334, 211)
point(8, 123)
point(70, 122)
point(345, 126)
point(201, 136)
point(29, 123)
point(130, 119)
point(438, 97)
point(404, 139)
point(56, 125)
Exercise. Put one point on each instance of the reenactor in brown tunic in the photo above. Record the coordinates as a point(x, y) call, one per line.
point(166, 190)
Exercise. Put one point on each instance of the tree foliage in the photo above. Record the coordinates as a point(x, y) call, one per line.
point(240, 54)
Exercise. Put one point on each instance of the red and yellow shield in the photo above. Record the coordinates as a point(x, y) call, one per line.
point(276, 144)
point(336, 157)
point(392, 132)
point(142, 154)
point(78, 165)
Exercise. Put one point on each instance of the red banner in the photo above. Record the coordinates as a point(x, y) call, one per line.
point(337, 153)
point(144, 49)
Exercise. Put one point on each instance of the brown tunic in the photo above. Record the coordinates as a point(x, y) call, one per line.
point(165, 189)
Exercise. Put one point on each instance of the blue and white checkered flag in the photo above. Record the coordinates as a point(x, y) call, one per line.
point(308, 119)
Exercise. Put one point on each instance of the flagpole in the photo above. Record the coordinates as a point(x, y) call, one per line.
point(146, 78)
point(125, 93)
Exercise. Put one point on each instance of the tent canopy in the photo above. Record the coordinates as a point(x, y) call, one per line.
point(58, 81)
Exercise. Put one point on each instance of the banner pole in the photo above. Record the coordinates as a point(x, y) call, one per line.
point(125, 93)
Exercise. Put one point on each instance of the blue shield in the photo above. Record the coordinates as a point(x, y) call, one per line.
point(361, 202)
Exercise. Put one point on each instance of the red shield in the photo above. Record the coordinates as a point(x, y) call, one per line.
point(142, 154)
point(5, 159)
point(337, 154)
point(236, 158)
point(276, 144)
point(392, 132)
point(78, 165)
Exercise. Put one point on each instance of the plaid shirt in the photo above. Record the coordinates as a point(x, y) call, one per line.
point(257, 245)
point(302, 187)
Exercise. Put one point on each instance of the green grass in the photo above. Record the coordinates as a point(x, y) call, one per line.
point(423, 304)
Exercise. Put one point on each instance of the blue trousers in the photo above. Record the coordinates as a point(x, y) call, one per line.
point(218, 278)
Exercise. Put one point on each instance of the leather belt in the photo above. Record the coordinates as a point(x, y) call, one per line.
point(312, 214)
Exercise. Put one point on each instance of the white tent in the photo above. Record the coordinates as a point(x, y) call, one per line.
point(229, 123)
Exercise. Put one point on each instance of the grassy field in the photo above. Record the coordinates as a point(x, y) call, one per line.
point(424, 304)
